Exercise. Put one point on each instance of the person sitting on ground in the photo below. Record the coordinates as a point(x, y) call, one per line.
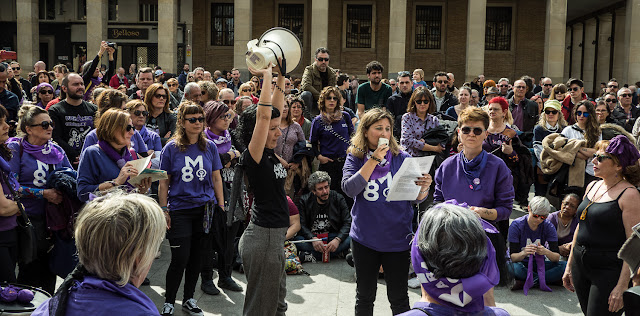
point(323, 211)
point(469, 267)
point(533, 248)
point(565, 220)
point(117, 237)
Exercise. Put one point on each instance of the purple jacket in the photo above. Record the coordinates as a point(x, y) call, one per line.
point(95, 297)
point(496, 180)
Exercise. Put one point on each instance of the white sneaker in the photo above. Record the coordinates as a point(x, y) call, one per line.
point(413, 283)
point(167, 309)
point(192, 308)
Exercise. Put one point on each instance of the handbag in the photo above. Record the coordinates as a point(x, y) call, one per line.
point(28, 250)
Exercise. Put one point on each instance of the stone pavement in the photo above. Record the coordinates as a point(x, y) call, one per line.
point(330, 290)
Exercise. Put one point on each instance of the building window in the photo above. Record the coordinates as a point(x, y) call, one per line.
point(222, 24)
point(113, 10)
point(291, 16)
point(359, 26)
point(498, 29)
point(148, 11)
point(47, 9)
point(428, 27)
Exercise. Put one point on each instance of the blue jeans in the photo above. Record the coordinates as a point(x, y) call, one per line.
point(308, 247)
point(553, 271)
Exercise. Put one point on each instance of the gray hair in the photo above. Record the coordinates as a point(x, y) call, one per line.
point(539, 205)
point(621, 92)
point(190, 86)
point(26, 115)
point(118, 235)
point(225, 90)
point(452, 241)
point(198, 68)
point(503, 79)
point(318, 177)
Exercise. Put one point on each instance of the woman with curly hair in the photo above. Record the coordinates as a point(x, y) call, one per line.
point(209, 91)
point(330, 133)
point(380, 229)
point(189, 197)
point(587, 128)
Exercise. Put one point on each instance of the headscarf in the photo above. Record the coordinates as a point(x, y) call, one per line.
point(621, 147)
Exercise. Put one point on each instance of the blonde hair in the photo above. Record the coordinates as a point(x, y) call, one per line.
point(111, 122)
point(421, 73)
point(118, 235)
point(359, 140)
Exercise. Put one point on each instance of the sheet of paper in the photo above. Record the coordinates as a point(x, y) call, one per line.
point(144, 172)
point(404, 187)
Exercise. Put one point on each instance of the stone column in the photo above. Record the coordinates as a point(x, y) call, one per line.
point(554, 40)
point(567, 55)
point(242, 24)
point(168, 35)
point(476, 23)
point(589, 55)
point(319, 26)
point(576, 51)
point(96, 27)
point(604, 48)
point(632, 42)
point(28, 34)
point(397, 36)
point(619, 52)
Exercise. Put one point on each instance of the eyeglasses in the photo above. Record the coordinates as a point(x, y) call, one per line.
point(612, 86)
point(422, 101)
point(227, 102)
point(601, 110)
point(519, 87)
point(548, 84)
point(580, 113)
point(332, 98)
point(128, 128)
point(625, 95)
point(574, 89)
point(504, 85)
point(244, 90)
point(554, 112)
point(44, 124)
point(193, 120)
point(160, 96)
point(600, 157)
point(392, 84)
point(476, 130)
point(46, 92)
point(172, 85)
point(542, 217)
point(15, 68)
point(609, 100)
point(227, 116)
point(322, 59)
point(139, 113)
point(442, 81)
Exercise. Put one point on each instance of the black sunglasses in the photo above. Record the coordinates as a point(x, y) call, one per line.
point(322, 59)
point(613, 86)
point(626, 95)
point(574, 89)
point(610, 100)
point(128, 128)
point(138, 113)
point(548, 84)
point(551, 112)
point(476, 130)
point(193, 120)
point(422, 101)
point(332, 98)
point(46, 91)
point(160, 96)
point(600, 157)
point(16, 68)
point(44, 124)
point(246, 90)
point(227, 102)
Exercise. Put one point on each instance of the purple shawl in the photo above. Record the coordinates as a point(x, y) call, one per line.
point(223, 143)
point(46, 153)
point(119, 159)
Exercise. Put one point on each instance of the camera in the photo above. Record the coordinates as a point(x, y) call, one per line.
point(111, 44)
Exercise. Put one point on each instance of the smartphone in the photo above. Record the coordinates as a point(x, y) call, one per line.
point(9, 55)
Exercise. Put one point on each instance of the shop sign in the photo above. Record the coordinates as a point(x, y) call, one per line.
point(125, 33)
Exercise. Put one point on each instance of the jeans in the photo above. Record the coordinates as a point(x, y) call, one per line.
point(308, 247)
point(553, 271)
point(396, 268)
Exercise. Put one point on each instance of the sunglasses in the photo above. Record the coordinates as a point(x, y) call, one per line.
point(610, 100)
point(15, 68)
point(244, 90)
point(554, 112)
point(160, 96)
point(574, 89)
point(128, 128)
point(548, 84)
point(612, 86)
point(519, 87)
point(476, 130)
point(332, 98)
point(422, 101)
point(504, 85)
point(44, 124)
point(139, 113)
point(172, 85)
point(625, 95)
point(442, 81)
point(227, 102)
point(46, 92)
point(227, 116)
point(193, 120)
point(543, 217)
point(600, 157)
point(322, 59)
point(580, 113)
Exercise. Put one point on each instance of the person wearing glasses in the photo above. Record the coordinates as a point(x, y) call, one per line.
point(551, 121)
point(587, 128)
point(189, 198)
point(533, 240)
point(161, 119)
point(35, 156)
point(444, 99)
point(139, 113)
point(176, 94)
point(504, 86)
point(316, 77)
point(559, 92)
point(107, 164)
point(208, 91)
point(245, 90)
point(629, 112)
point(576, 94)
point(256, 82)
point(523, 110)
point(419, 119)
point(547, 85)
point(397, 103)
point(26, 85)
point(44, 94)
point(613, 86)
point(297, 113)
point(603, 113)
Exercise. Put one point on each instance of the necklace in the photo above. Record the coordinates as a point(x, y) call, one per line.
point(583, 216)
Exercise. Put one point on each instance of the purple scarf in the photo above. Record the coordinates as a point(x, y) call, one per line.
point(128, 291)
point(382, 168)
point(223, 143)
point(539, 259)
point(46, 153)
point(472, 169)
point(466, 294)
point(119, 159)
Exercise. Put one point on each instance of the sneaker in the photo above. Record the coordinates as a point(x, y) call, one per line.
point(167, 309)
point(349, 259)
point(209, 288)
point(191, 308)
point(413, 283)
point(229, 284)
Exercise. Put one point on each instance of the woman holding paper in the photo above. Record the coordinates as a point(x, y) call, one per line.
point(381, 229)
point(189, 197)
point(107, 164)
point(33, 153)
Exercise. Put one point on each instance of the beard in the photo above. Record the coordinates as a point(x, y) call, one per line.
point(74, 96)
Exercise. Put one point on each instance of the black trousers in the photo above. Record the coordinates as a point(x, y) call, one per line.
point(222, 242)
point(396, 269)
point(594, 275)
point(187, 241)
point(37, 273)
point(8, 255)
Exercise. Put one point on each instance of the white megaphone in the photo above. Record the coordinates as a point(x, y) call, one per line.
point(275, 43)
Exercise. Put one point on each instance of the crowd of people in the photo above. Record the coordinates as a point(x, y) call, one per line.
point(253, 164)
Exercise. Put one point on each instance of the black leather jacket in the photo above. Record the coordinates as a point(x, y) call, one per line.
point(339, 215)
